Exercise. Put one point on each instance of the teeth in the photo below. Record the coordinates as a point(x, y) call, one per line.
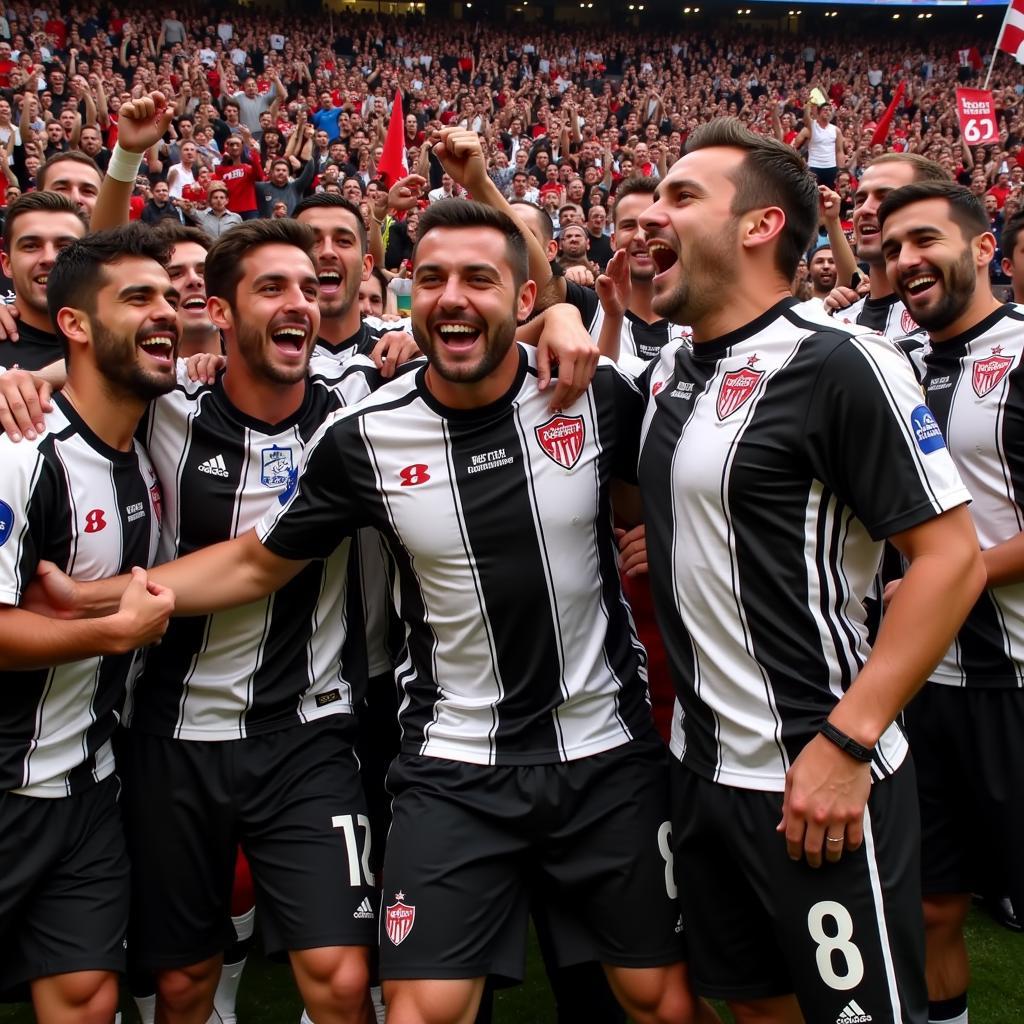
point(194, 304)
point(924, 280)
point(457, 329)
point(157, 343)
point(290, 332)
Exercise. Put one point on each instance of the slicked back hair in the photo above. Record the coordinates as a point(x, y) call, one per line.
point(632, 187)
point(965, 207)
point(771, 174)
point(224, 259)
point(329, 201)
point(465, 213)
point(38, 202)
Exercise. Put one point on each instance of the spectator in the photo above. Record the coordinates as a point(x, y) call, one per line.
point(218, 218)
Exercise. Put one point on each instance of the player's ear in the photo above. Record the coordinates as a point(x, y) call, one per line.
point(220, 313)
point(525, 300)
point(984, 248)
point(5, 265)
point(759, 227)
point(74, 325)
point(367, 267)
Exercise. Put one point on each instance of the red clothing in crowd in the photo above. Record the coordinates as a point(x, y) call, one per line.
point(240, 180)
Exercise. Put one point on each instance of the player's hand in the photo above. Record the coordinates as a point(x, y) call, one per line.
point(633, 550)
point(51, 592)
point(8, 322)
point(23, 400)
point(828, 204)
point(462, 156)
point(204, 367)
point(565, 341)
point(580, 275)
point(614, 287)
point(141, 618)
point(840, 298)
point(393, 349)
point(143, 122)
point(826, 793)
point(890, 591)
point(405, 193)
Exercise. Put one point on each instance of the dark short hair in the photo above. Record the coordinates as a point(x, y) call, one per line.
point(280, 160)
point(70, 156)
point(38, 202)
point(173, 233)
point(642, 185)
point(547, 227)
point(465, 213)
point(80, 270)
point(329, 201)
point(1010, 233)
point(224, 259)
point(771, 174)
point(965, 208)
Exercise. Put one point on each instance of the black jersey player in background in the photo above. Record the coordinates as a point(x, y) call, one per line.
point(777, 456)
point(965, 726)
point(83, 495)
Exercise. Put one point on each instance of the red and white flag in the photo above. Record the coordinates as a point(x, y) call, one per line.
point(394, 163)
point(1011, 39)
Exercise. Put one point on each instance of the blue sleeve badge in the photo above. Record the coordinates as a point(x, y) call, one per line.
point(6, 522)
point(926, 430)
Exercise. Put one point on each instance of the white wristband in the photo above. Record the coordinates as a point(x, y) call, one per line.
point(124, 165)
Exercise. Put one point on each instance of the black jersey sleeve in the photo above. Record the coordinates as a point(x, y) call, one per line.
point(584, 299)
point(616, 392)
point(27, 496)
point(872, 441)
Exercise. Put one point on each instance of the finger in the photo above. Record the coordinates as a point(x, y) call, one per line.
point(192, 366)
point(833, 850)
point(33, 416)
point(45, 393)
point(9, 423)
point(814, 840)
point(855, 834)
point(543, 366)
point(390, 361)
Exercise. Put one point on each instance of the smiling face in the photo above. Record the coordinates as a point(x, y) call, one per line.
point(875, 184)
point(341, 262)
point(36, 239)
point(822, 271)
point(465, 306)
point(630, 236)
point(186, 269)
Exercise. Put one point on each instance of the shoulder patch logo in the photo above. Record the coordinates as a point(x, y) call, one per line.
point(562, 439)
point(399, 919)
point(926, 430)
point(989, 371)
point(907, 323)
point(737, 387)
point(6, 522)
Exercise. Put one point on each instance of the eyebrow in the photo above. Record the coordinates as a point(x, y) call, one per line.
point(145, 290)
point(68, 239)
point(271, 278)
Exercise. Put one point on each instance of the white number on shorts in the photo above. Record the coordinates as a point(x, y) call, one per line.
point(355, 862)
point(665, 846)
point(838, 943)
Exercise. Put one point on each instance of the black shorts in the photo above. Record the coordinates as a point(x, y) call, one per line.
point(969, 752)
point(825, 175)
point(469, 844)
point(294, 802)
point(63, 884)
point(847, 938)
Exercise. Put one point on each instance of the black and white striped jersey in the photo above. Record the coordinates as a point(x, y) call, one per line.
point(93, 510)
point(293, 657)
point(519, 643)
point(774, 462)
point(639, 341)
point(975, 387)
point(888, 316)
point(360, 344)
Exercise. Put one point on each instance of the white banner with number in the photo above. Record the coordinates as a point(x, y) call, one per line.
point(977, 115)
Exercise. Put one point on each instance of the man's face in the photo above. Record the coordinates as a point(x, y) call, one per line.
point(218, 200)
point(465, 307)
point(90, 141)
point(352, 192)
point(991, 205)
point(67, 121)
point(250, 87)
point(568, 215)
point(371, 299)
point(320, 138)
point(822, 270)
point(519, 185)
point(575, 190)
point(574, 242)
point(134, 328)
point(692, 235)
point(325, 100)
point(79, 182)
point(188, 153)
point(186, 271)
point(343, 267)
point(279, 174)
point(37, 239)
point(875, 184)
point(929, 263)
point(628, 234)
point(161, 193)
point(274, 320)
point(233, 148)
point(596, 220)
point(55, 133)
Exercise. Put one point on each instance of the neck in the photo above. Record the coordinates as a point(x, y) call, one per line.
point(880, 287)
point(479, 394)
point(112, 415)
point(258, 397)
point(742, 308)
point(641, 295)
point(981, 305)
point(337, 329)
point(197, 340)
point(33, 317)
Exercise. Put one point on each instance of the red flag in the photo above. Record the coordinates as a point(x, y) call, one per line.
point(1011, 39)
point(393, 162)
point(882, 131)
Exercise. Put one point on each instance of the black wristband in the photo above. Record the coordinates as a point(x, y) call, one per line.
point(845, 743)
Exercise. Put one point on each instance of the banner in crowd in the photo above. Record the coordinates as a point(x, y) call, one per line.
point(977, 114)
point(1011, 38)
point(394, 163)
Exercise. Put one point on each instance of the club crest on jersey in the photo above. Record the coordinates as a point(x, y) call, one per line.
point(562, 438)
point(926, 430)
point(399, 919)
point(737, 387)
point(278, 470)
point(907, 323)
point(989, 371)
point(6, 522)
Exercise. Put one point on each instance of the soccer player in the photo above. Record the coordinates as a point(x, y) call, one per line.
point(777, 456)
point(966, 724)
point(187, 266)
point(83, 495)
point(881, 309)
point(1011, 242)
point(539, 756)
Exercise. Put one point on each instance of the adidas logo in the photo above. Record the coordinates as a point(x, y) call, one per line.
point(365, 912)
point(853, 1014)
point(214, 466)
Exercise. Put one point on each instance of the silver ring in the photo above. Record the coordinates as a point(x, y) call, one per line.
point(830, 839)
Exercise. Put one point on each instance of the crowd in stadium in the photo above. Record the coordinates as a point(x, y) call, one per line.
point(485, 437)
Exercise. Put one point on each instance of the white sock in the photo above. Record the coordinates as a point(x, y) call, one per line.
point(960, 1018)
point(225, 997)
point(377, 995)
point(245, 924)
point(305, 1018)
point(146, 1005)
point(117, 1017)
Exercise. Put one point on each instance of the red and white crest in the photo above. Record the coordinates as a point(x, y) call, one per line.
point(907, 323)
point(562, 438)
point(988, 372)
point(737, 387)
point(398, 919)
